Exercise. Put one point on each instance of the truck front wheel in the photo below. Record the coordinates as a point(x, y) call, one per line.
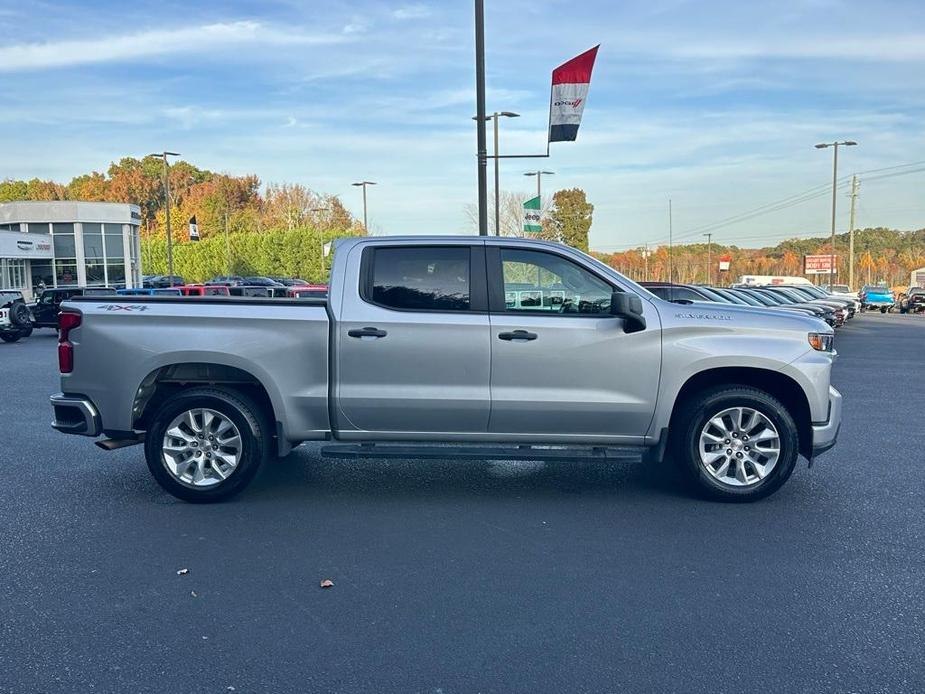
point(206, 444)
point(736, 443)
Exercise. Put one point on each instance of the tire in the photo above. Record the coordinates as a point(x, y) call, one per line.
point(703, 407)
point(176, 462)
point(26, 332)
point(9, 337)
point(19, 315)
point(882, 310)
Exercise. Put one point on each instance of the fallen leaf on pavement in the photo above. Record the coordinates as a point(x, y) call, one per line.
point(182, 572)
point(327, 583)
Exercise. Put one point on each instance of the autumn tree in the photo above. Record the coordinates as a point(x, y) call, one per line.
point(570, 218)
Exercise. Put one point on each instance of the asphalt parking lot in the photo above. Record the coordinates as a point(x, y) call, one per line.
point(468, 577)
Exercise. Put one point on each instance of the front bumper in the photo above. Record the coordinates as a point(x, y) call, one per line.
point(75, 414)
point(825, 434)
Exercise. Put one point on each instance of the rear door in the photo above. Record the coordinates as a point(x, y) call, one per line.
point(412, 343)
point(562, 367)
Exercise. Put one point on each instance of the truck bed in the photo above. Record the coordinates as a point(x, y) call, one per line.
point(282, 344)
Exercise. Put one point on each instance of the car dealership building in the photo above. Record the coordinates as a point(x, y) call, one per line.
point(63, 243)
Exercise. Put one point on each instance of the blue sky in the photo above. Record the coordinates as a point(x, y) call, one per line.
point(714, 104)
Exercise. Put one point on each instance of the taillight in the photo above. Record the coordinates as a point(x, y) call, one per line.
point(66, 322)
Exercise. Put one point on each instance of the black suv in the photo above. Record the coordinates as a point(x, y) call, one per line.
point(46, 309)
point(15, 319)
point(912, 301)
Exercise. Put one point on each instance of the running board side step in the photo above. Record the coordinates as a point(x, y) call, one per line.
point(348, 451)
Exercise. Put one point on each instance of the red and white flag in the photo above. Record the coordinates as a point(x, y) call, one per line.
point(570, 82)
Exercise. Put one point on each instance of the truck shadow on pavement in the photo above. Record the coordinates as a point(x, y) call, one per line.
point(304, 473)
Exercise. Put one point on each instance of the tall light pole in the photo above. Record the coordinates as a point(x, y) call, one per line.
point(854, 198)
point(836, 145)
point(709, 258)
point(164, 155)
point(495, 117)
point(481, 146)
point(363, 184)
point(539, 182)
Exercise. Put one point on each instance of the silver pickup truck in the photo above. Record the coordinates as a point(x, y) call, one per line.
point(450, 347)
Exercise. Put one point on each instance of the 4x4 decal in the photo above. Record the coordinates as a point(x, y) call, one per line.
point(123, 307)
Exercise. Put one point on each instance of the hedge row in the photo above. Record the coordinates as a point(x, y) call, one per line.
point(295, 253)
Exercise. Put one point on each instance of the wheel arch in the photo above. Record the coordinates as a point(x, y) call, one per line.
point(162, 382)
point(775, 383)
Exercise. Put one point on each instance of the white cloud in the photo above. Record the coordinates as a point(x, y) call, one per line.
point(412, 12)
point(105, 49)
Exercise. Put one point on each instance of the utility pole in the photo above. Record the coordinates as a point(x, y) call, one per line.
point(645, 255)
point(670, 233)
point(709, 258)
point(835, 145)
point(481, 144)
point(164, 155)
point(855, 184)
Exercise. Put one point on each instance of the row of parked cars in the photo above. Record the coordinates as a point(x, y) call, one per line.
point(834, 309)
point(18, 319)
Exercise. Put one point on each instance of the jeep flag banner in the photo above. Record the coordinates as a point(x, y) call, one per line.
point(570, 82)
point(193, 229)
point(532, 216)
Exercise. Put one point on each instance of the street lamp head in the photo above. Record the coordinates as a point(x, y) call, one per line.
point(364, 183)
point(162, 155)
point(849, 143)
point(548, 173)
point(531, 173)
point(822, 145)
point(509, 114)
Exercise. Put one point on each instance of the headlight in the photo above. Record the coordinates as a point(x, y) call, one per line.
point(821, 342)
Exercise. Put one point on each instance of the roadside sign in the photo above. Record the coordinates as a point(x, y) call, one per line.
point(818, 264)
point(724, 263)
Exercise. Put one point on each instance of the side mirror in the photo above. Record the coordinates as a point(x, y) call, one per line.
point(628, 307)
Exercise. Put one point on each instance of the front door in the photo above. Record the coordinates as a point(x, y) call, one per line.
point(413, 349)
point(562, 366)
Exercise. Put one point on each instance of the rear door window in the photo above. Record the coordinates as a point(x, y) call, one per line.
point(411, 278)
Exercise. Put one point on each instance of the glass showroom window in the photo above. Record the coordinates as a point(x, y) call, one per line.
point(115, 254)
point(42, 275)
point(12, 274)
point(65, 254)
point(94, 256)
point(41, 228)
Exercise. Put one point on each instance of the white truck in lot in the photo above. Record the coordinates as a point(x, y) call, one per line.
point(465, 347)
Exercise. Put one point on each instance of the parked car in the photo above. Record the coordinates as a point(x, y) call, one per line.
point(225, 280)
point(821, 296)
point(839, 310)
point(757, 299)
point(877, 298)
point(677, 293)
point(422, 347)
point(163, 281)
point(261, 282)
point(827, 313)
point(15, 318)
point(150, 291)
point(913, 300)
point(843, 290)
point(45, 310)
point(205, 290)
point(309, 291)
point(290, 281)
point(249, 290)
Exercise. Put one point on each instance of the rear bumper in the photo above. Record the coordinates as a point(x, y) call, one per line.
point(825, 434)
point(75, 414)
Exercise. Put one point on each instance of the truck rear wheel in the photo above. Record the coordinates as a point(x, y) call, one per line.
point(206, 444)
point(736, 443)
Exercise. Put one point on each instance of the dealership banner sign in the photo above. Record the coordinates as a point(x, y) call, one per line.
point(193, 229)
point(570, 82)
point(532, 213)
point(15, 244)
point(819, 264)
point(724, 262)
